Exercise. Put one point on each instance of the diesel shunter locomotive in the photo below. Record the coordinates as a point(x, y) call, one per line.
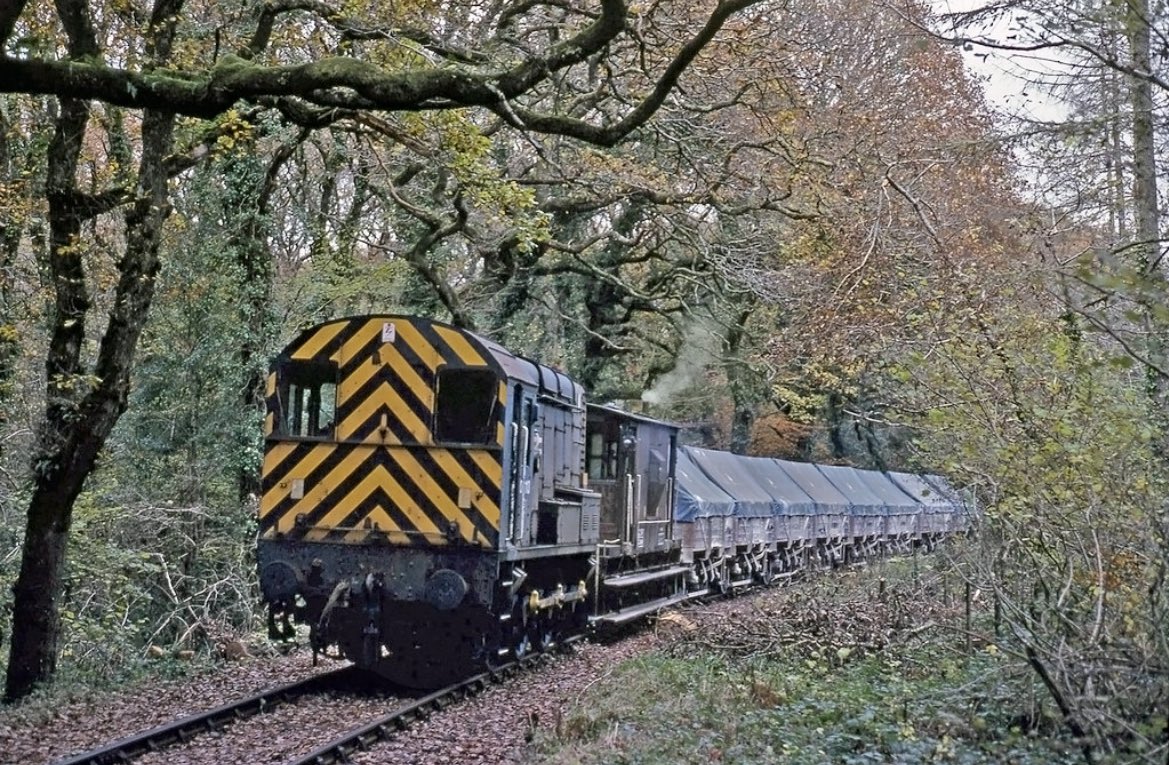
point(432, 503)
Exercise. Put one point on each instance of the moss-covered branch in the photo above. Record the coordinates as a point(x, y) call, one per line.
point(210, 91)
point(352, 82)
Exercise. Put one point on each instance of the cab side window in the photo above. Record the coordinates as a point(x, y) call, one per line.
point(464, 405)
point(307, 395)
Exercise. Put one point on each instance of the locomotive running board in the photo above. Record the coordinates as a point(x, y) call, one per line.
point(632, 580)
point(616, 618)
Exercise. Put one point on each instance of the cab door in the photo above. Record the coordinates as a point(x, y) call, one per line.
point(525, 451)
point(653, 493)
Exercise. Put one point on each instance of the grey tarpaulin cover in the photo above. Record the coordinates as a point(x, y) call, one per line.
point(897, 500)
point(827, 497)
point(960, 501)
point(732, 474)
point(782, 486)
point(921, 490)
point(861, 498)
point(697, 495)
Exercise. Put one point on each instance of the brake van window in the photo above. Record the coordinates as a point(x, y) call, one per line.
point(602, 454)
point(308, 399)
point(464, 405)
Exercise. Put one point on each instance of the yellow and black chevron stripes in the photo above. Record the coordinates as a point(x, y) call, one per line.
point(381, 467)
point(414, 492)
point(324, 342)
point(388, 385)
point(395, 393)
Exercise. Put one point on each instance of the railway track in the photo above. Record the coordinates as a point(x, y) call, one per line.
point(359, 738)
point(184, 729)
point(370, 734)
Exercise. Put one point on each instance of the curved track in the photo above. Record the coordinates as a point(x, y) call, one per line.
point(363, 737)
point(186, 728)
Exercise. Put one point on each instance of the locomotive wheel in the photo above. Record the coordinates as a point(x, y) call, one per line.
point(522, 645)
point(536, 632)
point(547, 631)
point(518, 636)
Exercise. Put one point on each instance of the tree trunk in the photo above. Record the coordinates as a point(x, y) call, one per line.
point(1148, 240)
point(82, 409)
point(11, 226)
point(1115, 162)
point(742, 382)
point(36, 623)
point(251, 243)
point(78, 419)
point(1147, 211)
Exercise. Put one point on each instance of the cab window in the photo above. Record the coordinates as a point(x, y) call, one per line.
point(307, 399)
point(602, 453)
point(655, 483)
point(464, 405)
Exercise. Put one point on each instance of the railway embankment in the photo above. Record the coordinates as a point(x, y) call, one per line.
point(874, 665)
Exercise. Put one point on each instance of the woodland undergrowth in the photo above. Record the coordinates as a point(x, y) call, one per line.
point(898, 661)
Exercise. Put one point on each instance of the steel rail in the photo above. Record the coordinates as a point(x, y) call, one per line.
point(384, 728)
point(185, 728)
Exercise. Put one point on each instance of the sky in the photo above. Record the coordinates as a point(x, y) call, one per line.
point(1007, 77)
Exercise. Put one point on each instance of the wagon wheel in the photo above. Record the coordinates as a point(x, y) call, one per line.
point(767, 575)
point(722, 584)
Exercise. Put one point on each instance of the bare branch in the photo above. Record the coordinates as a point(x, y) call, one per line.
point(609, 135)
